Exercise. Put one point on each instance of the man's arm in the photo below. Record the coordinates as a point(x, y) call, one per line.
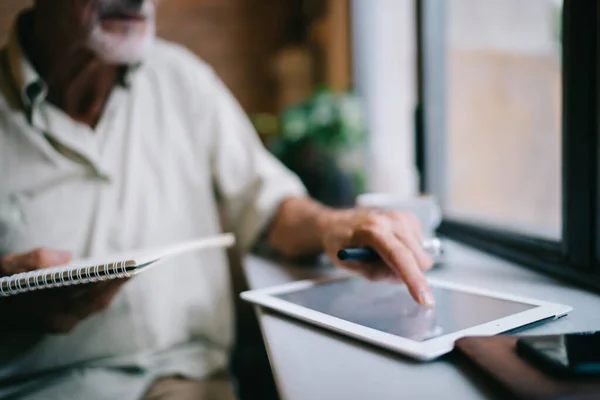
point(303, 226)
point(297, 229)
point(257, 190)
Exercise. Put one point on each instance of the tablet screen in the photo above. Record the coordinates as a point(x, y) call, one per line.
point(389, 307)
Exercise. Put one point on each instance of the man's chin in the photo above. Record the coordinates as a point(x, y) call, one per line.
point(121, 51)
point(117, 57)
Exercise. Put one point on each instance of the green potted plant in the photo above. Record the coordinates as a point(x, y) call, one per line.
point(322, 140)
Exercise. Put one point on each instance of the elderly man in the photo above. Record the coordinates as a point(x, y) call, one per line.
point(111, 140)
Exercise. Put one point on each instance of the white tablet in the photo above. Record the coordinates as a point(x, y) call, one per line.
point(384, 314)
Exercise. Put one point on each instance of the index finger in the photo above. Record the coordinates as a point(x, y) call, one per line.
point(400, 258)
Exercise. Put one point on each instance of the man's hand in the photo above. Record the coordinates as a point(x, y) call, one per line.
point(303, 226)
point(395, 236)
point(56, 310)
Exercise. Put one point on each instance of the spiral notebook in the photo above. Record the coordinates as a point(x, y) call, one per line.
point(103, 268)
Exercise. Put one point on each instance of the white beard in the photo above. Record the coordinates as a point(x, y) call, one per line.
point(116, 49)
point(128, 48)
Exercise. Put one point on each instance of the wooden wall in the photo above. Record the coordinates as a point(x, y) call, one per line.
point(237, 37)
point(8, 9)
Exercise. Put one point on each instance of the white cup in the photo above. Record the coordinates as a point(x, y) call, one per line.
point(425, 208)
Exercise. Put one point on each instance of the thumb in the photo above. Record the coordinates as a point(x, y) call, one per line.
point(36, 259)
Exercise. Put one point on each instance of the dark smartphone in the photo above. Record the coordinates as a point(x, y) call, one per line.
point(574, 354)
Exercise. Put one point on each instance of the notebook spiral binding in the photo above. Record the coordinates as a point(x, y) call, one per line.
point(63, 276)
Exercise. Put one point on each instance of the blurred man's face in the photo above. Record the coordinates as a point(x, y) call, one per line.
point(122, 30)
point(117, 31)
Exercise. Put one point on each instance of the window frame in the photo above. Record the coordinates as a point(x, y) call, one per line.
point(576, 257)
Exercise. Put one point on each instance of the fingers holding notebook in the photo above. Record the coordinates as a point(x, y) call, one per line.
point(51, 311)
point(36, 259)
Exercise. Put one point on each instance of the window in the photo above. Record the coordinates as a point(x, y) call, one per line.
point(507, 130)
point(503, 118)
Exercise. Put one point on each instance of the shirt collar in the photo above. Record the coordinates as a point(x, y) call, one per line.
point(28, 83)
point(127, 73)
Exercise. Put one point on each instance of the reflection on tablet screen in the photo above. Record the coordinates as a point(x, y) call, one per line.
point(389, 307)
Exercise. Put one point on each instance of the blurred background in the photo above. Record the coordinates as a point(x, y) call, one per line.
point(331, 86)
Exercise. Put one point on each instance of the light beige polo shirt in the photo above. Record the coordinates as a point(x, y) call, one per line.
point(170, 140)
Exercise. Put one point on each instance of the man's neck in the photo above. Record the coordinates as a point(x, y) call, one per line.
point(78, 82)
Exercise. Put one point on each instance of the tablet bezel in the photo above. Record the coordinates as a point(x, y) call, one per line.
point(424, 351)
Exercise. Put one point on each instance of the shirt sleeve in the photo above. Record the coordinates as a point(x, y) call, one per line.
point(250, 182)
